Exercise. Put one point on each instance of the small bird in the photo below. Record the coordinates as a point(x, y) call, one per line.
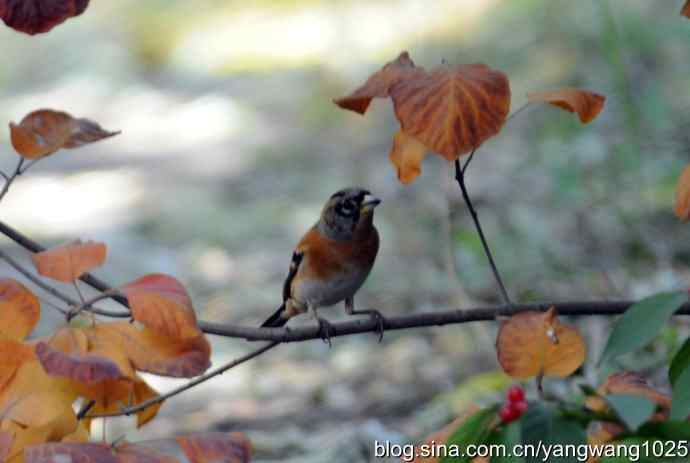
point(332, 260)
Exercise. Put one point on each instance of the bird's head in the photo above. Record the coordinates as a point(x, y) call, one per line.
point(347, 212)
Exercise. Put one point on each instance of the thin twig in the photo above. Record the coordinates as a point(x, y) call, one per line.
point(8, 180)
point(460, 177)
point(220, 370)
point(518, 111)
point(85, 409)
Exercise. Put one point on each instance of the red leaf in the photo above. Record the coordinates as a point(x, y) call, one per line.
point(69, 452)
point(586, 104)
point(36, 16)
point(162, 303)
point(685, 11)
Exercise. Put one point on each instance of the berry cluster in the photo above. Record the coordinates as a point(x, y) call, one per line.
point(515, 406)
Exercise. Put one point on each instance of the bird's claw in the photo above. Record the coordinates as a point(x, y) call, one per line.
point(380, 322)
point(326, 330)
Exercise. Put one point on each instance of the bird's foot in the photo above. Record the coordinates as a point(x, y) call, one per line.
point(376, 315)
point(326, 330)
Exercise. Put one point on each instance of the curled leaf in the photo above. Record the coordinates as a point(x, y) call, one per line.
point(407, 154)
point(19, 310)
point(162, 303)
point(631, 384)
point(209, 447)
point(536, 343)
point(682, 207)
point(586, 104)
point(68, 262)
point(685, 11)
point(45, 131)
point(37, 16)
point(378, 85)
point(82, 367)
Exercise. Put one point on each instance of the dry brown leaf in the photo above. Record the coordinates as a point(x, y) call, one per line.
point(69, 261)
point(407, 154)
point(161, 303)
point(155, 353)
point(453, 109)
point(43, 132)
point(216, 447)
point(37, 16)
point(586, 104)
point(685, 11)
point(682, 207)
point(378, 85)
point(533, 343)
point(19, 310)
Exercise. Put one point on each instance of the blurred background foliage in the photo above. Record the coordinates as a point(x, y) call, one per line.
point(231, 144)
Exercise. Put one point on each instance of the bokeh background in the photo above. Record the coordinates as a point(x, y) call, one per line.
point(230, 144)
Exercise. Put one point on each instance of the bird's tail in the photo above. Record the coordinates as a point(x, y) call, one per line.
point(277, 319)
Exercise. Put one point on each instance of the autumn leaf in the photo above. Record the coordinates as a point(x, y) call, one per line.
point(77, 365)
point(682, 208)
point(6, 441)
point(407, 154)
point(69, 261)
point(13, 354)
point(19, 310)
point(154, 353)
point(379, 84)
point(586, 104)
point(45, 131)
point(111, 396)
point(37, 16)
point(441, 436)
point(162, 303)
point(685, 11)
point(453, 109)
point(216, 447)
point(135, 453)
point(534, 343)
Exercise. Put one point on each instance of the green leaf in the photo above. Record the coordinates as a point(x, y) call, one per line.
point(542, 423)
point(640, 324)
point(680, 400)
point(680, 362)
point(509, 435)
point(631, 409)
point(667, 430)
point(474, 430)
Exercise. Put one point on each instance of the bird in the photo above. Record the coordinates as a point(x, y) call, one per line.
point(331, 261)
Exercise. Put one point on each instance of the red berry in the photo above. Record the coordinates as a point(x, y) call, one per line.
point(508, 413)
point(519, 407)
point(515, 394)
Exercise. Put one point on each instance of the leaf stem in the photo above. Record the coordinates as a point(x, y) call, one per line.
point(460, 177)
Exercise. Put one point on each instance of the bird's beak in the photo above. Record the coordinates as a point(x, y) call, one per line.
point(370, 202)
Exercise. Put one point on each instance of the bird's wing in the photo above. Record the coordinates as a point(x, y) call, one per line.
point(297, 257)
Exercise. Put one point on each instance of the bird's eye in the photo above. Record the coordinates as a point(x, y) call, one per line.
point(347, 208)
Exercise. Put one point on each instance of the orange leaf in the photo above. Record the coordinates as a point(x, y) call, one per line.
point(13, 354)
point(531, 343)
point(37, 16)
point(407, 154)
point(19, 310)
point(154, 353)
point(216, 447)
point(78, 453)
point(379, 83)
point(112, 395)
point(586, 104)
point(45, 131)
point(682, 208)
point(685, 11)
point(453, 109)
point(162, 303)
point(68, 262)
